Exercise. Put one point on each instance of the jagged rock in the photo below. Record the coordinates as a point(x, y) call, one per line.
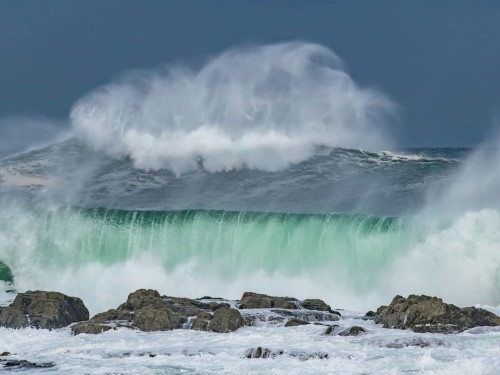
point(225, 320)
point(316, 304)
point(43, 310)
point(294, 322)
point(352, 331)
point(147, 311)
point(431, 314)
point(251, 300)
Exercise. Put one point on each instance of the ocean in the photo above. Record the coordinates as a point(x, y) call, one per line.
point(296, 207)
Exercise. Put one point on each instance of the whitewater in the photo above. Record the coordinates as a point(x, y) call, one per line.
point(267, 170)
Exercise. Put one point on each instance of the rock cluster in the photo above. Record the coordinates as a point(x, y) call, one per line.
point(43, 310)
point(147, 311)
point(431, 314)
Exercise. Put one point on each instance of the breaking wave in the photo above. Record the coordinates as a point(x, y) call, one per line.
point(257, 107)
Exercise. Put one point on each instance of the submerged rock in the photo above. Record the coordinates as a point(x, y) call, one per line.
point(335, 330)
point(294, 322)
point(352, 331)
point(21, 363)
point(43, 310)
point(261, 352)
point(431, 314)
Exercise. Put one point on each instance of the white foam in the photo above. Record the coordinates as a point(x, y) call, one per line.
point(261, 107)
point(185, 351)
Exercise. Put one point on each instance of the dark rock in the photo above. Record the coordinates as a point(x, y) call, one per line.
point(308, 315)
point(21, 363)
point(251, 300)
point(352, 331)
point(431, 314)
point(304, 356)
point(225, 320)
point(260, 352)
point(315, 304)
point(421, 342)
point(294, 322)
point(331, 330)
point(189, 307)
point(43, 310)
point(370, 314)
point(4, 354)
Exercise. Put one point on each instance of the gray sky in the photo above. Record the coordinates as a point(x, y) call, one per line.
point(438, 60)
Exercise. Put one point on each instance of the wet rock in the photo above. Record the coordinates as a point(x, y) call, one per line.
point(212, 306)
point(352, 331)
point(225, 320)
point(41, 309)
point(90, 328)
point(21, 363)
point(201, 321)
point(420, 342)
point(251, 300)
point(332, 330)
point(370, 314)
point(304, 356)
point(145, 310)
point(294, 322)
point(308, 315)
point(260, 352)
point(315, 304)
point(431, 314)
point(4, 354)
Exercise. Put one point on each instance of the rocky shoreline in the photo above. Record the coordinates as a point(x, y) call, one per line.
point(146, 310)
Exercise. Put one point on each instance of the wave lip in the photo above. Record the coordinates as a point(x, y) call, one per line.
point(258, 107)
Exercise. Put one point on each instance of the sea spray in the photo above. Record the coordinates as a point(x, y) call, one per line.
point(258, 107)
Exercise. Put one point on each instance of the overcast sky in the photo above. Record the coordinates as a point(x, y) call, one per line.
point(438, 60)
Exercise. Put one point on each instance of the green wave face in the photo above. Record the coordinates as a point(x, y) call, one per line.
point(228, 242)
point(352, 261)
point(5, 273)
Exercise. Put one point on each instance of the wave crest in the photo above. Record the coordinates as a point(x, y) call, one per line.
point(260, 107)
